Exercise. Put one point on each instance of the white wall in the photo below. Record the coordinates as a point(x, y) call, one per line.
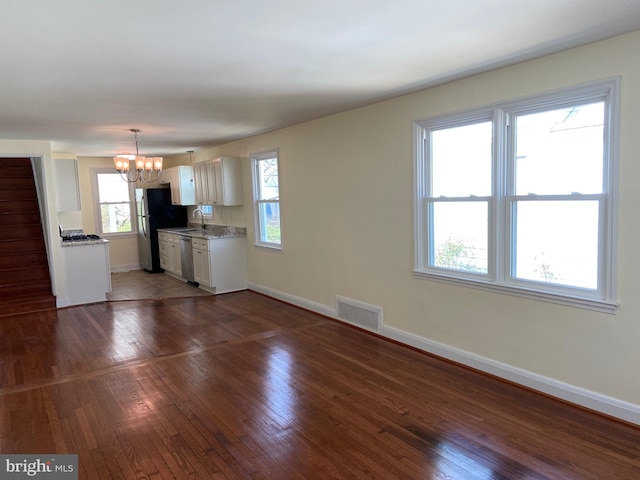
point(346, 206)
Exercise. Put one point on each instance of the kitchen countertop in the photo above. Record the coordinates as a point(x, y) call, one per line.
point(211, 231)
point(77, 243)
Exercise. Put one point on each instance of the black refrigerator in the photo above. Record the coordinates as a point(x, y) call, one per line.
point(154, 211)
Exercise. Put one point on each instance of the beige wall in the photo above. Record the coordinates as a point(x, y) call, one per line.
point(347, 214)
point(347, 206)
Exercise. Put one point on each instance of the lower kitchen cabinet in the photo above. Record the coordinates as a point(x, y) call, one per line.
point(220, 263)
point(201, 269)
point(169, 246)
point(87, 272)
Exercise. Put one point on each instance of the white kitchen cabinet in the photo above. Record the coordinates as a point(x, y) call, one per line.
point(182, 184)
point(201, 172)
point(219, 181)
point(169, 246)
point(227, 264)
point(67, 186)
point(87, 273)
point(201, 270)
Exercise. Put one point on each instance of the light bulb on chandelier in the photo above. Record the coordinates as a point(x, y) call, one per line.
point(144, 166)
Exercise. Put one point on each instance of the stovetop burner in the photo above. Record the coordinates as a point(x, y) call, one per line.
point(79, 238)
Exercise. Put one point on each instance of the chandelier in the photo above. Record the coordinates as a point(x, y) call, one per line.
point(144, 166)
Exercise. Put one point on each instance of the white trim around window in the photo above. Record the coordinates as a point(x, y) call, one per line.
point(489, 199)
point(94, 172)
point(265, 177)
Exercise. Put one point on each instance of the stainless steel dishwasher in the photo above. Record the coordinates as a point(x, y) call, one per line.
point(186, 256)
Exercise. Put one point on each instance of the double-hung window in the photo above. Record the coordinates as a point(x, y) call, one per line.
point(520, 197)
point(112, 197)
point(266, 195)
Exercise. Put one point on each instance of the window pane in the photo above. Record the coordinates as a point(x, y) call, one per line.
point(460, 236)
point(268, 179)
point(557, 242)
point(111, 188)
point(115, 218)
point(461, 161)
point(270, 222)
point(560, 151)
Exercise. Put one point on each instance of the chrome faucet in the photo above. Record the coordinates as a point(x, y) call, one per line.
point(193, 215)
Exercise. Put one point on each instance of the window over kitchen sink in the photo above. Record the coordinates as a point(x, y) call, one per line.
point(112, 200)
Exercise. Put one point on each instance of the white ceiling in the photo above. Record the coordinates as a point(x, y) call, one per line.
point(198, 73)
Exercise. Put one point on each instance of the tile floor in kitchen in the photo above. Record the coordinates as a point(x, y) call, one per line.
point(140, 284)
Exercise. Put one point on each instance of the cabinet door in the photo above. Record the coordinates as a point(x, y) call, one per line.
point(218, 198)
point(186, 186)
point(164, 253)
point(67, 187)
point(201, 267)
point(200, 180)
point(212, 181)
point(175, 262)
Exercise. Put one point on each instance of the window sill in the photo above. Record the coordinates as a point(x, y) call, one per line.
point(268, 248)
point(116, 236)
point(586, 303)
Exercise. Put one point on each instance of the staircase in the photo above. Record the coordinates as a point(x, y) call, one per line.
point(25, 284)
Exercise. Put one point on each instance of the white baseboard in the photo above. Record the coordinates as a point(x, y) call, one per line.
point(292, 299)
point(613, 407)
point(125, 268)
point(570, 393)
point(61, 302)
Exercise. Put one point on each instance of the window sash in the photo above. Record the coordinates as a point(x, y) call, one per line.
point(512, 245)
point(432, 251)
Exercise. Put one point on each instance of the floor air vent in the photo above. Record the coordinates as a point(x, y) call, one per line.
point(358, 313)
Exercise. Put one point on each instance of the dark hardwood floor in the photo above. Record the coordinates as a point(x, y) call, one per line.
point(243, 386)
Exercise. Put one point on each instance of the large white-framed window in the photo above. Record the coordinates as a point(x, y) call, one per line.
point(113, 203)
point(266, 199)
point(521, 197)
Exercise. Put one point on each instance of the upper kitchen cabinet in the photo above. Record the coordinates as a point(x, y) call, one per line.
point(67, 186)
point(181, 183)
point(219, 181)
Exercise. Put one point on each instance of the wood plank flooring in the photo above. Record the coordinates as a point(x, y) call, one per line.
point(243, 386)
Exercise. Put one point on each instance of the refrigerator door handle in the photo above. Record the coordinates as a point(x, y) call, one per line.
point(144, 224)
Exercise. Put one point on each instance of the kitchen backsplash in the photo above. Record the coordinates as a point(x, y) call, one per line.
point(220, 229)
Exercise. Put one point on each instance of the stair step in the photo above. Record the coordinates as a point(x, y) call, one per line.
point(24, 276)
point(19, 232)
point(16, 292)
point(10, 261)
point(18, 205)
point(16, 219)
point(21, 246)
point(27, 305)
point(16, 183)
point(19, 195)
